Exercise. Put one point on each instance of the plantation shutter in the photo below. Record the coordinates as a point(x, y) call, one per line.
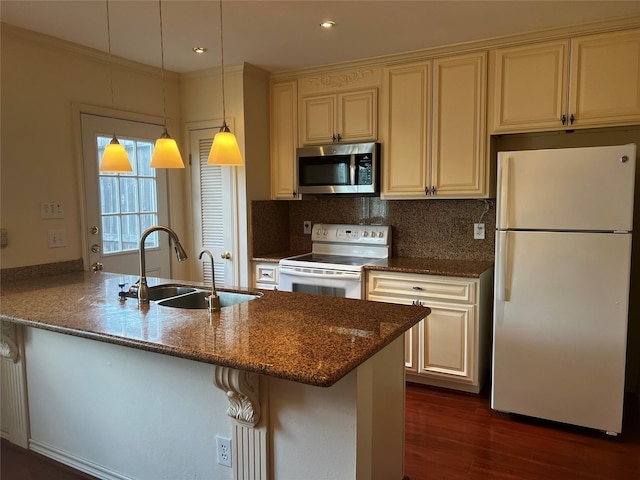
point(211, 211)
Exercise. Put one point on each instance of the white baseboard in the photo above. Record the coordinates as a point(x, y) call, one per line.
point(75, 462)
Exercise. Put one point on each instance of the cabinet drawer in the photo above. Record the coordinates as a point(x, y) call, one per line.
point(267, 274)
point(423, 287)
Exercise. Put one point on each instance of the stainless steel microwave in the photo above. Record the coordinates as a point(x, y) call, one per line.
point(339, 168)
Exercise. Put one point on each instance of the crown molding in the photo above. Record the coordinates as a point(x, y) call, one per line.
point(99, 56)
point(564, 32)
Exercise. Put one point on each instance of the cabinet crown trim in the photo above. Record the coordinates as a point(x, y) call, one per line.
point(340, 79)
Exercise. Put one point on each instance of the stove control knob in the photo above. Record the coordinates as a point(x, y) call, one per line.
point(381, 234)
point(324, 232)
point(366, 234)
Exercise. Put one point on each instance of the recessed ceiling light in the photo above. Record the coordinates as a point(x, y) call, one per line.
point(200, 50)
point(327, 24)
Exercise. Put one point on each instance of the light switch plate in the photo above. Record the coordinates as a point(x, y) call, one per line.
point(51, 210)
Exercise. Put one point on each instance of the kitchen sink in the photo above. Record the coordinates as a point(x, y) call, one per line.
point(178, 295)
point(198, 299)
point(160, 292)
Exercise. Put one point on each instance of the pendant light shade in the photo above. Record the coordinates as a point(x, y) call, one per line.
point(166, 153)
point(225, 149)
point(114, 158)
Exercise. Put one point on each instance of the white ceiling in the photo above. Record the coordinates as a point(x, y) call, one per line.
point(285, 34)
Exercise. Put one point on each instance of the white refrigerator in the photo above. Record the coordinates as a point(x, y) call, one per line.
point(563, 257)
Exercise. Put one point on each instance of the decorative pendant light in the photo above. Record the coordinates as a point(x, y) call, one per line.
point(166, 153)
point(225, 150)
point(114, 157)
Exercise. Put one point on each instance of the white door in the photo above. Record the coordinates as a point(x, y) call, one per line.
point(560, 325)
point(215, 206)
point(567, 189)
point(120, 206)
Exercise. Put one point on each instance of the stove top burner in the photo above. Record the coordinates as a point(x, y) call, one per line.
point(334, 259)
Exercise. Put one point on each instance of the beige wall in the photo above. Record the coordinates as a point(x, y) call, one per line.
point(40, 80)
point(247, 114)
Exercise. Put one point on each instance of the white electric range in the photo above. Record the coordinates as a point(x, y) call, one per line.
point(336, 263)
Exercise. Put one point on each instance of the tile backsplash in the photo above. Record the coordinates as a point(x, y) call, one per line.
point(440, 229)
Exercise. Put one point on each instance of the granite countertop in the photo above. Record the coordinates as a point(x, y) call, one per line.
point(274, 257)
point(423, 265)
point(303, 338)
point(431, 266)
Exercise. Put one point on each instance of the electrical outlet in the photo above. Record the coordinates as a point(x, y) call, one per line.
point(223, 451)
point(478, 231)
point(307, 227)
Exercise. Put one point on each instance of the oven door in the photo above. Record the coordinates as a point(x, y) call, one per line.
point(334, 283)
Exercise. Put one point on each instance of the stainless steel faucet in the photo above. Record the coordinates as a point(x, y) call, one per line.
point(143, 288)
point(214, 300)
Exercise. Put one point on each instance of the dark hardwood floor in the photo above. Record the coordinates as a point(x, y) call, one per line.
point(451, 435)
point(457, 436)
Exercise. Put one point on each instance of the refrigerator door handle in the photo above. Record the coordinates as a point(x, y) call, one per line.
point(502, 259)
point(503, 182)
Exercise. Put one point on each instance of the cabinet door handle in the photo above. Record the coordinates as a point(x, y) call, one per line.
point(571, 119)
point(295, 194)
point(339, 137)
point(417, 288)
point(426, 190)
point(333, 138)
point(433, 190)
point(564, 119)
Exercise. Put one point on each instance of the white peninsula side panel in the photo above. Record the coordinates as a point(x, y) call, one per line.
point(127, 414)
point(121, 413)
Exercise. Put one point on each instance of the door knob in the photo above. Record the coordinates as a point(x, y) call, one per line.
point(225, 256)
point(95, 248)
point(94, 230)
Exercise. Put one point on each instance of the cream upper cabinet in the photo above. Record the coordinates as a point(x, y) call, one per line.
point(450, 348)
point(284, 140)
point(458, 167)
point(604, 79)
point(588, 81)
point(406, 125)
point(434, 129)
point(344, 117)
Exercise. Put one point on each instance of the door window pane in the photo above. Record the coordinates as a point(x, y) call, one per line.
point(129, 203)
point(109, 194)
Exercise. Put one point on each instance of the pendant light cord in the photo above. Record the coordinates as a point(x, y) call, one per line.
point(110, 67)
point(164, 98)
point(224, 115)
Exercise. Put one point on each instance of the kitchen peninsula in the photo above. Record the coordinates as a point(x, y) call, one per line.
point(154, 411)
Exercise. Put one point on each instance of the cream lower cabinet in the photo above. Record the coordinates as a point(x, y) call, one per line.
point(451, 347)
point(265, 275)
point(434, 129)
point(585, 82)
